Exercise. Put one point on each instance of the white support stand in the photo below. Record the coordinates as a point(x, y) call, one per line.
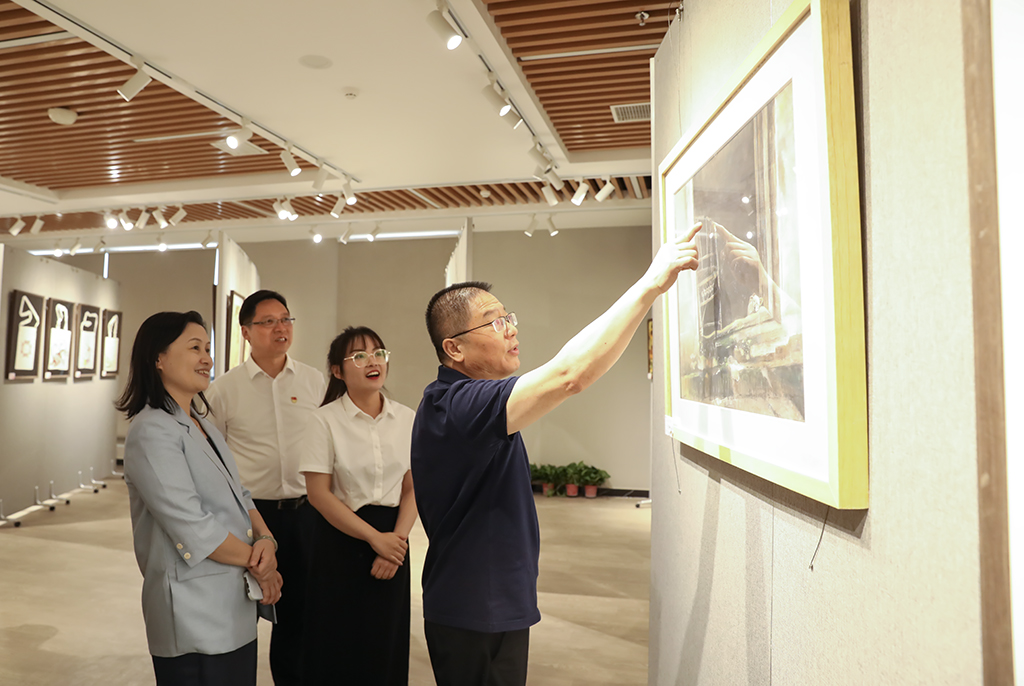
point(113, 469)
point(44, 503)
point(54, 498)
point(3, 519)
point(92, 479)
point(85, 486)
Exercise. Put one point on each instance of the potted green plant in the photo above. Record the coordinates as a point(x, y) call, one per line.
point(592, 478)
point(575, 474)
point(544, 475)
point(558, 479)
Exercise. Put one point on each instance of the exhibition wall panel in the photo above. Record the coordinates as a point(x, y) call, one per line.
point(53, 429)
point(741, 592)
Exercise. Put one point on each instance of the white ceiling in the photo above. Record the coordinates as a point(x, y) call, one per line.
point(419, 118)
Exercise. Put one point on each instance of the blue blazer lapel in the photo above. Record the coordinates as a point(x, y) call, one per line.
point(203, 444)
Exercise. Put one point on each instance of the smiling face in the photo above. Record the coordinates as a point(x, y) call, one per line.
point(366, 380)
point(485, 353)
point(269, 341)
point(184, 367)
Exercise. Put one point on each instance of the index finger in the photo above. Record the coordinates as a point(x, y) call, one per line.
point(691, 233)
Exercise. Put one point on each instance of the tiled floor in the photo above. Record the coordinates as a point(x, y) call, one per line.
point(70, 613)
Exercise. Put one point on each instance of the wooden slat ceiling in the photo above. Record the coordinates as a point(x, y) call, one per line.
point(578, 91)
point(319, 206)
point(102, 147)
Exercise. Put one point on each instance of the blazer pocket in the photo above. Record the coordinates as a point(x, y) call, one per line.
point(205, 568)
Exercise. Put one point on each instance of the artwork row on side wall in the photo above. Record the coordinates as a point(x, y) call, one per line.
point(60, 338)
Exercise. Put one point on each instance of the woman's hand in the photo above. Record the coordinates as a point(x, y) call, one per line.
point(390, 546)
point(271, 588)
point(382, 569)
point(263, 560)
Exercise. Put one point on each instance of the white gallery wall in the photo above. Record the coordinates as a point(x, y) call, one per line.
point(893, 596)
point(53, 429)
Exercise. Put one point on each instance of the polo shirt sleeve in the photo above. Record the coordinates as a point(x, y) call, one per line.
point(476, 408)
point(317, 451)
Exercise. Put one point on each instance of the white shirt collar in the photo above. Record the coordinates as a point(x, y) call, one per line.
point(253, 369)
point(353, 411)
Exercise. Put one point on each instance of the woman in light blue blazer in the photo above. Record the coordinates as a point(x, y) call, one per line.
point(204, 551)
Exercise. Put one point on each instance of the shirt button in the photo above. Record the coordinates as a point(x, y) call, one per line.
point(180, 546)
point(249, 533)
point(188, 556)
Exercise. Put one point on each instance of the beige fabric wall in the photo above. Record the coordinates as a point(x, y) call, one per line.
point(893, 597)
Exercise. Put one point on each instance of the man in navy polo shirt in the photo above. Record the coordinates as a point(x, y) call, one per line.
point(472, 473)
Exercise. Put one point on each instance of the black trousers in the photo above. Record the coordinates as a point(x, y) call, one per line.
point(237, 668)
point(461, 657)
point(293, 528)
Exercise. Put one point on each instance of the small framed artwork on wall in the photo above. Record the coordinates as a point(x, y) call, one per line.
point(111, 332)
point(237, 346)
point(87, 328)
point(24, 324)
point(765, 339)
point(59, 338)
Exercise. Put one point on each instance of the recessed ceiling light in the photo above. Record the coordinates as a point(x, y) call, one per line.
point(62, 116)
point(315, 61)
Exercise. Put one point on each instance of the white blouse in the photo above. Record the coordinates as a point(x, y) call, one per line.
point(368, 456)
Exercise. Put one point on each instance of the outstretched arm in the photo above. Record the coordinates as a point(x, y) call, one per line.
point(593, 351)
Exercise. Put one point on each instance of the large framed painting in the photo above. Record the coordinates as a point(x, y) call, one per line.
point(87, 328)
point(24, 324)
point(59, 339)
point(110, 330)
point(765, 350)
point(237, 347)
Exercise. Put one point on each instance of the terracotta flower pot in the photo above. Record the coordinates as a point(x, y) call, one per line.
point(572, 490)
point(590, 491)
point(548, 488)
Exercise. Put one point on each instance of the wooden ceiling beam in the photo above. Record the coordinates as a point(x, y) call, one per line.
point(580, 44)
point(613, 59)
point(549, 14)
point(500, 7)
point(565, 40)
point(624, 23)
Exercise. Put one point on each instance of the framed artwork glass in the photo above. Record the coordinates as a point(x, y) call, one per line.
point(87, 331)
point(110, 330)
point(59, 338)
point(24, 325)
point(765, 350)
point(237, 348)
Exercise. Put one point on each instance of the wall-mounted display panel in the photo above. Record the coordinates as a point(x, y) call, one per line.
point(111, 330)
point(24, 325)
point(87, 330)
point(59, 339)
point(765, 350)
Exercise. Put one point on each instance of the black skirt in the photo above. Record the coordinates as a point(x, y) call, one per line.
point(357, 627)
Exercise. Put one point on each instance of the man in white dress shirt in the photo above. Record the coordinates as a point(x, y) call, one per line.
point(262, 407)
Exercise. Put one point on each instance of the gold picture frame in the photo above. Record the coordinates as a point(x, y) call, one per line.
point(765, 345)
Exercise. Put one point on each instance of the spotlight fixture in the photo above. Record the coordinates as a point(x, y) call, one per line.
point(158, 215)
point(549, 195)
point(554, 179)
point(125, 221)
point(452, 39)
point(206, 241)
point(110, 220)
point(62, 116)
point(373, 234)
point(178, 216)
point(497, 98)
point(37, 225)
point(238, 137)
point(532, 226)
point(17, 226)
point(76, 247)
point(317, 237)
point(279, 210)
point(287, 207)
point(514, 119)
point(321, 177)
point(143, 219)
point(745, 200)
point(57, 252)
point(338, 207)
point(606, 190)
point(552, 231)
point(350, 196)
point(289, 162)
point(135, 84)
point(101, 246)
point(160, 245)
point(343, 238)
point(581, 193)
point(538, 156)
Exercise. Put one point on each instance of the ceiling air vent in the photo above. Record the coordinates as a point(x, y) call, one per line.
point(638, 111)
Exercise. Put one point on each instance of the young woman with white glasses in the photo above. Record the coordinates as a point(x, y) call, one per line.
point(356, 463)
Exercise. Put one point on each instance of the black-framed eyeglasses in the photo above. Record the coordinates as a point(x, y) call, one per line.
point(271, 323)
point(499, 324)
point(362, 358)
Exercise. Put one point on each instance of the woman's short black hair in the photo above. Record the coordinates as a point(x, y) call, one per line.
point(339, 351)
point(248, 309)
point(145, 387)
